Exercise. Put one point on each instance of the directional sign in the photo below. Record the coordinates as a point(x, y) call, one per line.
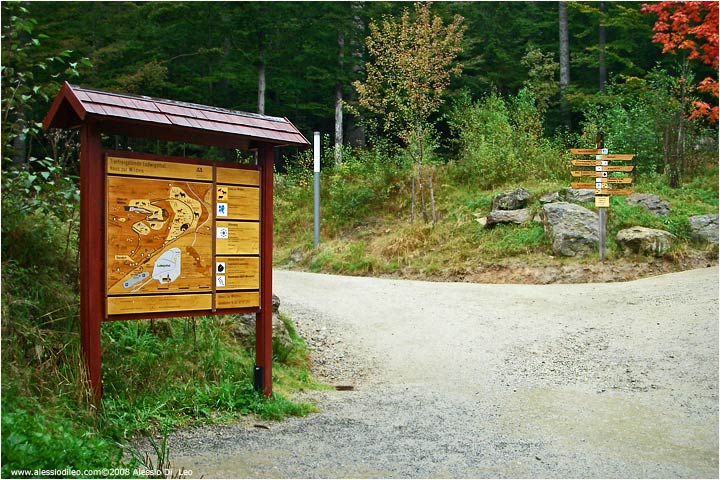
point(614, 180)
point(615, 156)
point(589, 151)
point(601, 177)
point(588, 163)
point(584, 185)
point(602, 201)
point(619, 168)
point(613, 191)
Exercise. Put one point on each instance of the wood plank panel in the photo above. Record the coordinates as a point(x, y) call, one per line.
point(152, 168)
point(237, 203)
point(158, 303)
point(238, 176)
point(237, 238)
point(237, 299)
point(238, 273)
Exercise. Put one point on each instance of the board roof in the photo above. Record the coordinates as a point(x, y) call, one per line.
point(171, 120)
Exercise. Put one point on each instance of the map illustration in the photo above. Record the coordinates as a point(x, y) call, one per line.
point(159, 236)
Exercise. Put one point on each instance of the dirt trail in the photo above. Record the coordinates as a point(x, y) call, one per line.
point(473, 380)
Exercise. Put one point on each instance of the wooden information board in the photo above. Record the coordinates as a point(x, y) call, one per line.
point(181, 236)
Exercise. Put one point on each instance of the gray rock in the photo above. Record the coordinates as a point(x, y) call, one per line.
point(482, 221)
point(508, 216)
point(572, 229)
point(704, 228)
point(645, 241)
point(511, 200)
point(550, 197)
point(580, 195)
point(653, 203)
point(243, 326)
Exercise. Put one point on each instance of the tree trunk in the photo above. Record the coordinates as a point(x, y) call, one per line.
point(261, 88)
point(420, 176)
point(564, 61)
point(339, 102)
point(432, 200)
point(19, 143)
point(412, 201)
point(602, 40)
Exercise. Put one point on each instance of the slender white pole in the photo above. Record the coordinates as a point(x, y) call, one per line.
point(316, 187)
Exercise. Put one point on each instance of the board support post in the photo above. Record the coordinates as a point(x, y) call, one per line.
point(92, 251)
point(263, 324)
point(603, 219)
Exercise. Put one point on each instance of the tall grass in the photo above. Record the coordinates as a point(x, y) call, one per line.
point(157, 375)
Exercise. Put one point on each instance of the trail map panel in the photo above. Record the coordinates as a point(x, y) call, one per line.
point(159, 236)
point(181, 236)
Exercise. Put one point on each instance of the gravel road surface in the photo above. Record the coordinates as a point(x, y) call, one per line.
point(473, 380)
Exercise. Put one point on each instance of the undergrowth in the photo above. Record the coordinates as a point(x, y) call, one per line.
point(157, 375)
point(379, 239)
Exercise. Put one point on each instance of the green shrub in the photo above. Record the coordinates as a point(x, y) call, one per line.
point(502, 140)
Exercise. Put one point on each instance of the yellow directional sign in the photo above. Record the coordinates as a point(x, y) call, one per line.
point(583, 185)
point(602, 201)
point(615, 156)
point(587, 163)
point(618, 168)
point(589, 151)
point(600, 176)
point(613, 191)
point(614, 180)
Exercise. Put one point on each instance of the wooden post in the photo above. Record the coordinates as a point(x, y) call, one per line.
point(600, 143)
point(92, 254)
point(263, 325)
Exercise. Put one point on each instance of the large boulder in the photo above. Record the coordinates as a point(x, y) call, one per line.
point(511, 200)
point(653, 203)
point(572, 229)
point(579, 195)
point(508, 216)
point(645, 241)
point(550, 197)
point(704, 228)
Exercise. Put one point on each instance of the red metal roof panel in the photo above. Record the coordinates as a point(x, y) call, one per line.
point(72, 103)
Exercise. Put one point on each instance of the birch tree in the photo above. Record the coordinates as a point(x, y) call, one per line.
point(412, 61)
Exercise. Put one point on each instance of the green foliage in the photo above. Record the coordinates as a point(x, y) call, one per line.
point(35, 439)
point(646, 117)
point(500, 140)
point(363, 183)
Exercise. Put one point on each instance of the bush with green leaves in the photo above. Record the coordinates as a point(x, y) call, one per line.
point(501, 140)
point(641, 116)
point(363, 182)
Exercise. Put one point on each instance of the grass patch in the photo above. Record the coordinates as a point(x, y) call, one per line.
point(157, 375)
point(381, 241)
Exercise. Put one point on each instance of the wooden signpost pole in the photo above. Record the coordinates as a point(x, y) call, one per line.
point(92, 251)
point(263, 325)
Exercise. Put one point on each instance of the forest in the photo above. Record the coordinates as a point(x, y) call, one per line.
point(427, 112)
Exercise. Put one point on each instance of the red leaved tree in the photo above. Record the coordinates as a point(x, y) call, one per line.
point(691, 27)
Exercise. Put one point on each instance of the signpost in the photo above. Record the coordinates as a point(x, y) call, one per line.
point(165, 236)
point(604, 175)
point(316, 189)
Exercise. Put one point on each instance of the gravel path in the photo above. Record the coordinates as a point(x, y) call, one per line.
point(472, 380)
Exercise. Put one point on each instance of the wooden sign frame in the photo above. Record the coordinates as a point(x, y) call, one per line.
point(96, 113)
